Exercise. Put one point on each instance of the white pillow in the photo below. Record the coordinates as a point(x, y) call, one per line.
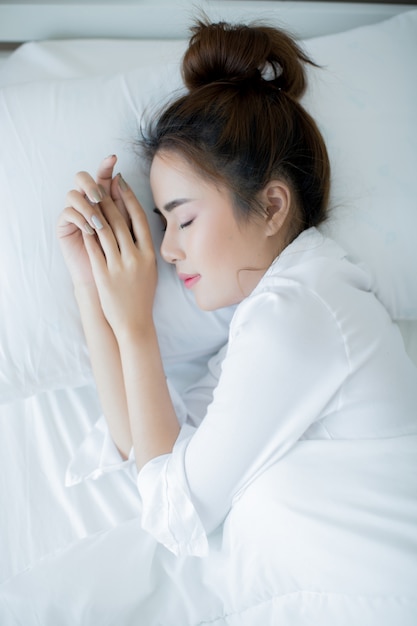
point(364, 100)
point(49, 130)
point(69, 58)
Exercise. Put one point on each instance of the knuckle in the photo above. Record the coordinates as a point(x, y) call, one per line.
point(68, 210)
point(72, 196)
point(81, 175)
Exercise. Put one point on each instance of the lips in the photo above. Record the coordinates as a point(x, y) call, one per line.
point(189, 280)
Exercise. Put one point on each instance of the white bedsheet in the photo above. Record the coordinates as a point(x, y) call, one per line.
point(39, 515)
point(327, 536)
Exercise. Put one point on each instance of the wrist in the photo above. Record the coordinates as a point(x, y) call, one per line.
point(136, 333)
point(85, 290)
point(88, 301)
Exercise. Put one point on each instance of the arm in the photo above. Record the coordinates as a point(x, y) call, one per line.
point(124, 270)
point(283, 372)
point(153, 422)
point(106, 366)
point(275, 383)
point(101, 342)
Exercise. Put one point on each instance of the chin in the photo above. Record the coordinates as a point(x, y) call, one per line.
point(206, 306)
point(214, 304)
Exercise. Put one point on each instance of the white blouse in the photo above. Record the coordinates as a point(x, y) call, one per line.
point(311, 354)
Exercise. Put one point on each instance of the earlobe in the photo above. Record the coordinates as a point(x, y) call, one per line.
point(277, 199)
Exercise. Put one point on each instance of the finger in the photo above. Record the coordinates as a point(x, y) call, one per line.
point(70, 220)
point(140, 224)
point(117, 223)
point(96, 255)
point(118, 200)
point(87, 186)
point(105, 172)
point(91, 213)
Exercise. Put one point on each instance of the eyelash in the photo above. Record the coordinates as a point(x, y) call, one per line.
point(182, 226)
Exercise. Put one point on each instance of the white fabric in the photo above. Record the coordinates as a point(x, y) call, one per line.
point(38, 514)
point(312, 354)
point(326, 536)
point(69, 58)
point(408, 329)
point(362, 102)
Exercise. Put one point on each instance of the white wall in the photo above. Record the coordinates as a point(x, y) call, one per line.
point(24, 20)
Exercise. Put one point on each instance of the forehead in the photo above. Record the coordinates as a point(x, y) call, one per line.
point(172, 176)
point(173, 165)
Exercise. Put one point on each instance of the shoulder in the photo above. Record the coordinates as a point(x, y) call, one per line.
point(315, 278)
point(289, 312)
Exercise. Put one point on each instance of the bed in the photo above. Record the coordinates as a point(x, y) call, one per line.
point(74, 81)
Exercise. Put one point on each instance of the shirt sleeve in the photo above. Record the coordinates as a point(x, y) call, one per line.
point(283, 370)
point(199, 395)
point(168, 511)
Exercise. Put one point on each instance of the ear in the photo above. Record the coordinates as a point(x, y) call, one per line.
point(276, 197)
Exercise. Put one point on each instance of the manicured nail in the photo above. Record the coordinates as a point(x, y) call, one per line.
point(96, 222)
point(95, 196)
point(111, 156)
point(88, 229)
point(102, 191)
point(122, 183)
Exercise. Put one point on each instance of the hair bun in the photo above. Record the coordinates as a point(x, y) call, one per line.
point(233, 53)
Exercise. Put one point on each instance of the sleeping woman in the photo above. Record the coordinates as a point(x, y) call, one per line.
point(240, 178)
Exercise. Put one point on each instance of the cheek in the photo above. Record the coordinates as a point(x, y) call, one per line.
point(222, 253)
point(212, 244)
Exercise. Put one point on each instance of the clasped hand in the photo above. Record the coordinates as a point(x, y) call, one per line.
point(107, 245)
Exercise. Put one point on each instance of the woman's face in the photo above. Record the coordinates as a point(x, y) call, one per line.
point(221, 259)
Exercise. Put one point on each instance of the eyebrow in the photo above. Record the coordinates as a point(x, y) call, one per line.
point(170, 206)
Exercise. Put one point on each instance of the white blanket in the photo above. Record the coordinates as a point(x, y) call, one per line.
point(327, 536)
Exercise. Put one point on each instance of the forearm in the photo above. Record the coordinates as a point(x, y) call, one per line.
point(116, 312)
point(153, 423)
point(106, 365)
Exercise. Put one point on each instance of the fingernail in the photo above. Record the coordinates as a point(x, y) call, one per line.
point(102, 191)
point(96, 222)
point(95, 196)
point(122, 183)
point(88, 229)
point(111, 156)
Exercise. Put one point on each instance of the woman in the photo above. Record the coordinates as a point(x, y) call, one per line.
point(240, 177)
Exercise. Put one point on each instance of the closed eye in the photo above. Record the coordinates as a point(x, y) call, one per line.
point(185, 224)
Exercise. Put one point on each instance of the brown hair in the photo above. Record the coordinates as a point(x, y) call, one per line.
point(241, 122)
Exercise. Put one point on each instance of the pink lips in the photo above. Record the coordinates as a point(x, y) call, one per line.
point(189, 280)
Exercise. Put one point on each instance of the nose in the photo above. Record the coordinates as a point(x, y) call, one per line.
point(170, 251)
